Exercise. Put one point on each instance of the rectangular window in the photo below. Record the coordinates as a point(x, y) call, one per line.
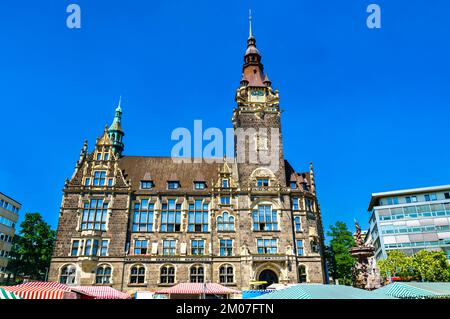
point(414, 199)
point(294, 185)
point(226, 247)
point(199, 185)
point(146, 184)
point(264, 219)
point(104, 248)
point(169, 247)
point(94, 247)
point(309, 204)
point(433, 196)
point(75, 247)
point(300, 247)
point(225, 200)
point(267, 246)
point(198, 217)
point(447, 195)
point(197, 247)
point(110, 182)
point(87, 182)
point(106, 157)
point(295, 203)
point(140, 247)
point(427, 198)
point(94, 215)
point(99, 178)
point(395, 200)
point(263, 182)
point(298, 224)
point(171, 217)
point(173, 184)
point(225, 183)
point(99, 156)
point(143, 216)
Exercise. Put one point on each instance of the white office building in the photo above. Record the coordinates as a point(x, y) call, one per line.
point(410, 220)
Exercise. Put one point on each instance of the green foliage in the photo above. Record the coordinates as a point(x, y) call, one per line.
point(431, 266)
point(396, 264)
point(32, 248)
point(339, 260)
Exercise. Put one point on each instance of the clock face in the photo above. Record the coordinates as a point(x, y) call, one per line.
point(257, 96)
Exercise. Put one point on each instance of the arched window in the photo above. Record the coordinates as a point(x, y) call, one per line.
point(68, 275)
point(103, 275)
point(225, 222)
point(137, 274)
point(226, 274)
point(197, 273)
point(302, 276)
point(167, 274)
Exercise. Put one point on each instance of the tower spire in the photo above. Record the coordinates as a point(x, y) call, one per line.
point(250, 23)
point(115, 131)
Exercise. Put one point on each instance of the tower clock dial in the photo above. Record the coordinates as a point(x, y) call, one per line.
point(257, 95)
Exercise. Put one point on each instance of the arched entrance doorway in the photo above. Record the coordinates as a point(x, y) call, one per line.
point(268, 275)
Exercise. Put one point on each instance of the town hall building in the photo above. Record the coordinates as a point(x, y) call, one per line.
point(143, 223)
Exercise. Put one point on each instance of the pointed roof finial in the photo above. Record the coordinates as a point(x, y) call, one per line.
point(250, 23)
point(119, 107)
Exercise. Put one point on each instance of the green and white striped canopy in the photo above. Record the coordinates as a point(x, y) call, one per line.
point(5, 294)
point(320, 291)
point(416, 290)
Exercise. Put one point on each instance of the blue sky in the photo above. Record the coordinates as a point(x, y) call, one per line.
point(370, 108)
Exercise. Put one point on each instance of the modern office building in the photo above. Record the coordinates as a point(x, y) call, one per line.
point(9, 214)
point(410, 220)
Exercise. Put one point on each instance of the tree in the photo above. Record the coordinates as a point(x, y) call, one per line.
point(398, 264)
point(339, 260)
point(32, 248)
point(431, 266)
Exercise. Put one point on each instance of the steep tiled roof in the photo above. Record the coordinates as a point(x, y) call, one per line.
point(163, 169)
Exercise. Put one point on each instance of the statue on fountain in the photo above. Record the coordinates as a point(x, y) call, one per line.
point(364, 273)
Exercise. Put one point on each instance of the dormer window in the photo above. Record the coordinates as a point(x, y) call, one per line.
point(147, 184)
point(199, 185)
point(263, 182)
point(305, 186)
point(225, 183)
point(294, 185)
point(99, 178)
point(173, 184)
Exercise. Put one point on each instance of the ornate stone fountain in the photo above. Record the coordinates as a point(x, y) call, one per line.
point(364, 273)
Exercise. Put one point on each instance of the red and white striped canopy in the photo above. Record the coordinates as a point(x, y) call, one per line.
point(39, 290)
point(43, 290)
point(198, 288)
point(102, 292)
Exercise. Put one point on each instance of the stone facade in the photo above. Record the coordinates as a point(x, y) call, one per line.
point(142, 223)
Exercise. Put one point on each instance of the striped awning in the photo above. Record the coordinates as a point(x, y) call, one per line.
point(5, 294)
point(321, 291)
point(43, 290)
point(197, 289)
point(102, 292)
point(416, 290)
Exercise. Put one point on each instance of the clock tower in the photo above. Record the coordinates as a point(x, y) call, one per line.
point(256, 120)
